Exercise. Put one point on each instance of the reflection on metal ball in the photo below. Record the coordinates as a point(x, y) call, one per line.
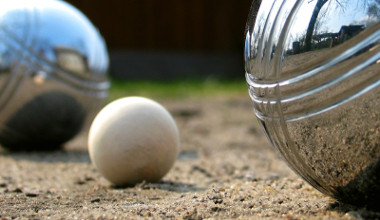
point(313, 70)
point(53, 65)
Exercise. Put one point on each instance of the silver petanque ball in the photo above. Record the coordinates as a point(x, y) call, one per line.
point(313, 71)
point(53, 65)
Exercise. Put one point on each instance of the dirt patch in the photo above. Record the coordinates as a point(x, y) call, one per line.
point(226, 169)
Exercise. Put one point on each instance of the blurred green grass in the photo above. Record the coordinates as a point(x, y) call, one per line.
point(178, 89)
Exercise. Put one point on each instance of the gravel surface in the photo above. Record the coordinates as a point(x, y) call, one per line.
point(226, 169)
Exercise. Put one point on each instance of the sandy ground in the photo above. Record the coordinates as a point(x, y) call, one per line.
point(226, 170)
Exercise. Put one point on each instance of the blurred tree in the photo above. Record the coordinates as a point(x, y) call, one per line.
point(374, 9)
point(313, 21)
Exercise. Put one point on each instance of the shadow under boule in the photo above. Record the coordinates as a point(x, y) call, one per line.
point(44, 123)
point(363, 190)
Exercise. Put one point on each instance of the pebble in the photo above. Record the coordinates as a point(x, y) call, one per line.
point(31, 194)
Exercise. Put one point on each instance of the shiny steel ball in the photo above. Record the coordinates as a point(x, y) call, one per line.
point(53, 65)
point(313, 70)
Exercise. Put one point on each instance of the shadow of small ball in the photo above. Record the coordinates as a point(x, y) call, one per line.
point(44, 123)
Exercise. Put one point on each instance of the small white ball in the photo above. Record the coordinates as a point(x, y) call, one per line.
point(133, 139)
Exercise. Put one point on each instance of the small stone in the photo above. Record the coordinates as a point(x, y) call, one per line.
point(51, 191)
point(298, 186)
point(31, 194)
point(95, 200)
point(353, 214)
point(80, 182)
point(17, 190)
point(89, 178)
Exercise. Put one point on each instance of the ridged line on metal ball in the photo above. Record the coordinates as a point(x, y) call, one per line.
point(320, 107)
point(358, 44)
point(263, 92)
point(13, 82)
point(371, 36)
point(330, 88)
point(38, 65)
point(362, 40)
point(267, 28)
point(41, 62)
point(289, 118)
point(334, 56)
